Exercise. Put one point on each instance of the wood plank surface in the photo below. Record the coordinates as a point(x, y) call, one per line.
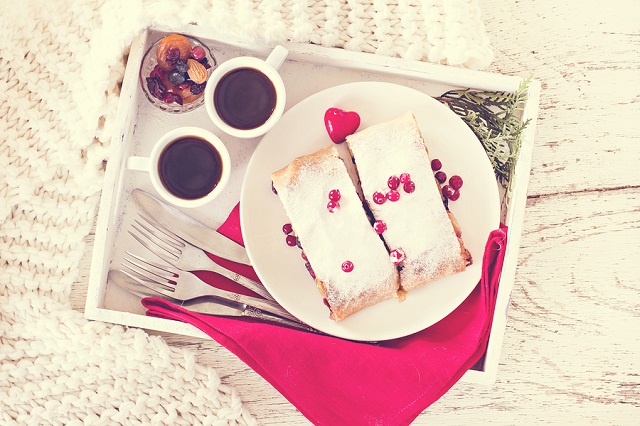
point(571, 353)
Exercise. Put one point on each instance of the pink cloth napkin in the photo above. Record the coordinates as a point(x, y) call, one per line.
point(338, 382)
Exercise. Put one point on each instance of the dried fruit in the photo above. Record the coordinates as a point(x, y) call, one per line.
point(156, 71)
point(176, 77)
point(155, 86)
point(196, 89)
point(181, 66)
point(197, 72)
point(170, 49)
point(172, 56)
point(198, 53)
point(170, 98)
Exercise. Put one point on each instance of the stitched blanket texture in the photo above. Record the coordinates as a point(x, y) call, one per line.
point(61, 63)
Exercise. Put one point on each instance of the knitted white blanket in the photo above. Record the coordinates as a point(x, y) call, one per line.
point(60, 65)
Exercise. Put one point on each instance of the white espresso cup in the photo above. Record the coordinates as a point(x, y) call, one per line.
point(188, 166)
point(245, 96)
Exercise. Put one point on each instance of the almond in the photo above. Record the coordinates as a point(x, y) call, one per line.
point(197, 72)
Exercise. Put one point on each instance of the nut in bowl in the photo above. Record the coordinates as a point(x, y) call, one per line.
point(174, 72)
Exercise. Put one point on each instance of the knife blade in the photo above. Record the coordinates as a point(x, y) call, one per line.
point(189, 229)
point(206, 305)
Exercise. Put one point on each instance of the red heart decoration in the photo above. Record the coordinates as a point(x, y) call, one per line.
point(340, 123)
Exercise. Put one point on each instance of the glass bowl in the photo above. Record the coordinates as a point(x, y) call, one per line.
point(149, 62)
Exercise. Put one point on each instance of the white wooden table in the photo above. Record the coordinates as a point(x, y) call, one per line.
point(572, 347)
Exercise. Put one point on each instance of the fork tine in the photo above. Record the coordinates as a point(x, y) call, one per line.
point(169, 237)
point(152, 271)
point(157, 287)
point(154, 244)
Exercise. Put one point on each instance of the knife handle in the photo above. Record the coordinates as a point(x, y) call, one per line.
point(264, 305)
point(200, 261)
point(252, 285)
point(258, 314)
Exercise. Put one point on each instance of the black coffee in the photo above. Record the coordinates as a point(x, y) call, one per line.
point(190, 167)
point(245, 98)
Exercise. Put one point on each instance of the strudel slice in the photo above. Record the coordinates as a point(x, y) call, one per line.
point(399, 188)
point(350, 262)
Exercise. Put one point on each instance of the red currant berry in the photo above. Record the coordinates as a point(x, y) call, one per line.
point(393, 182)
point(287, 228)
point(455, 195)
point(448, 191)
point(436, 164)
point(409, 187)
point(405, 177)
point(379, 198)
point(455, 181)
point(310, 270)
point(397, 256)
point(379, 226)
point(291, 240)
point(304, 255)
point(334, 194)
point(393, 195)
point(332, 206)
point(441, 177)
point(347, 266)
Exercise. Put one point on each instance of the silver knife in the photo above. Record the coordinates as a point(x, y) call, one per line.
point(205, 306)
point(189, 229)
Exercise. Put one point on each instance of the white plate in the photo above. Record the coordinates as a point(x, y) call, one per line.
point(301, 131)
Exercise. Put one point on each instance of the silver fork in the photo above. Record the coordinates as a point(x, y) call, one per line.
point(183, 255)
point(185, 286)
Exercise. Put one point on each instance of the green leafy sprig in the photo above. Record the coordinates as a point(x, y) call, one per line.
point(493, 117)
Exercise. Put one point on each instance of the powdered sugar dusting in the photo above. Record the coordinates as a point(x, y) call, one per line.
point(330, 239)
point(418, 222)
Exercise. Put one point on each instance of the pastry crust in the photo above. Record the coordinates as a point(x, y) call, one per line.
point(418, 222)
point(329, 239)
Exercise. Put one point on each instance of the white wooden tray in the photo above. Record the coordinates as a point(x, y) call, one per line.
point(308, 69)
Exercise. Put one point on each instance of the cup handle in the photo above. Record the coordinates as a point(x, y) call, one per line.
point(142, 164)
point(277, 56)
